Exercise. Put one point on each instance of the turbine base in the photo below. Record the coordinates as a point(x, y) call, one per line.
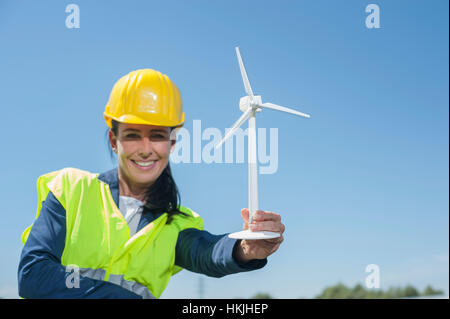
point(249, 235)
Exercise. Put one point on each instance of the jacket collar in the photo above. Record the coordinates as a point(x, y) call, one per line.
point(111, 178)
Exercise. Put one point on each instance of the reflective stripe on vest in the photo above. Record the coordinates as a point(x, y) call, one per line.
point(99, 274)
point(98, 237)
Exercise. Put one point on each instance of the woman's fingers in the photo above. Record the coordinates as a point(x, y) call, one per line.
point(270, 225)
point(268, 221)
point(263, 221)
point(261, 215)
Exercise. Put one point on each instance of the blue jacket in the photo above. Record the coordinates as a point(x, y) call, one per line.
point(41, 275)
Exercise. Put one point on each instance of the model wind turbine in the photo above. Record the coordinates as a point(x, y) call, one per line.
point(251, 104)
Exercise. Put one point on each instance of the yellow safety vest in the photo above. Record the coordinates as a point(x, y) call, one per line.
point(98, 237)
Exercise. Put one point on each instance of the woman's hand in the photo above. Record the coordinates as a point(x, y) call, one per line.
point(247, 250)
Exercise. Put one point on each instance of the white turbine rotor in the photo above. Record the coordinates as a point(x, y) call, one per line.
point(250, 105)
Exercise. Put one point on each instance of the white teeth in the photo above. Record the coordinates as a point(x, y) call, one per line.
point(145, 164)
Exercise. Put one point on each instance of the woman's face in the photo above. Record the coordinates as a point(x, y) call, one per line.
point(143, 152)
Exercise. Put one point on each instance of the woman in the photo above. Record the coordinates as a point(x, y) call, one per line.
point(123, 233)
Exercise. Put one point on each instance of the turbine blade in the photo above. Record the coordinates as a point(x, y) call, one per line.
point(238, 123)
point(283, 109)
point(247, 86)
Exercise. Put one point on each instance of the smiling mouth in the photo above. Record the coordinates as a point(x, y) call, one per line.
point(144, 165)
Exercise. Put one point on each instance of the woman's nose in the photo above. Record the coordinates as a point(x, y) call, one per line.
point(146, 148)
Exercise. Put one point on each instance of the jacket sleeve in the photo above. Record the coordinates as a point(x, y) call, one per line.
point(40, 272)
point(212, 255)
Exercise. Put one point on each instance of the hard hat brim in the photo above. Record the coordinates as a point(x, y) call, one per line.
point(133, 119)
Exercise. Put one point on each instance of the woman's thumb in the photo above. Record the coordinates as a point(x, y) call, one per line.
point(244, 214)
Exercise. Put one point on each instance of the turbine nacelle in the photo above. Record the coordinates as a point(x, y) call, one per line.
point(247, 102)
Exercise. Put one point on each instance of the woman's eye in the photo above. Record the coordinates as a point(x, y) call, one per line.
point(153, 137)
point(157, 137)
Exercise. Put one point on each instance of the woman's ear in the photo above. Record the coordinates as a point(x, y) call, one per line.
point(112, 141)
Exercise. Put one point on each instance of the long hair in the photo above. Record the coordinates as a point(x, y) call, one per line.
point(163, 195)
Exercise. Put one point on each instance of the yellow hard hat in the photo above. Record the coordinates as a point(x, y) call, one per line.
point(147, 97)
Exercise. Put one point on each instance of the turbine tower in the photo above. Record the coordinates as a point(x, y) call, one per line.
point(250, 105)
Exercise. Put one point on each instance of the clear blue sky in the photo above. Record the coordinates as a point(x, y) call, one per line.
point(363, 181)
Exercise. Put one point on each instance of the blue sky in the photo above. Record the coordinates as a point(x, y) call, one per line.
point(363, 181)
